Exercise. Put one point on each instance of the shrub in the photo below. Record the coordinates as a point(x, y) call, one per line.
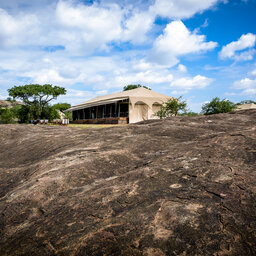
point(6, 116)
point(172, 108)
point(217, 106)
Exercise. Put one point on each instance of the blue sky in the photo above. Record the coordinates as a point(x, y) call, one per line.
point(194, 48)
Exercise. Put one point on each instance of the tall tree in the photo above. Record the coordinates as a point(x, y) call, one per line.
point(36, 96)
point(134, 86)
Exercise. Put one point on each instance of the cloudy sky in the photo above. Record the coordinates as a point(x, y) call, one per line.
point(195, 48)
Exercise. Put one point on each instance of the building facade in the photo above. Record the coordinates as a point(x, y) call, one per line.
point(124, 107)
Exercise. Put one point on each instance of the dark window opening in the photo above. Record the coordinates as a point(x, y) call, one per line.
point(124, 110)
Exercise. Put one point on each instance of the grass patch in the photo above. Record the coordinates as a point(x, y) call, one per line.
point(91, 126)
point(98, 126)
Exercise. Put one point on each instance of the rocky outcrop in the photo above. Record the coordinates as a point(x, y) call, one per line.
point(182, 186)
point(8, 104)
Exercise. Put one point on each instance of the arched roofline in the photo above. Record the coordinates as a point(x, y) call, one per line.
point(157, 103)
point(140, 102)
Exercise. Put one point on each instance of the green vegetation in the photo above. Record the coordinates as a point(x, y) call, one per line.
point(246, 102)
point(134, 86)
point(217, 106)
point(36, 99)
point(93, 126)
point(6, 116)
point(62, 106)
point(172, 107)
point(189, 113)
point(68, 115)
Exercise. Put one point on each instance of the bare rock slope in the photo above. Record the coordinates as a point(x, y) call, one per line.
point(183, 186)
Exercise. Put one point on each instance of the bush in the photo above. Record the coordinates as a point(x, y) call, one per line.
point(172, 108)
point(24, 114)
point(189, 113)
point(6, 116)
point(50, 113)
point(217, 106)
point(62, 106)
point(68, 115)
point(246, 102)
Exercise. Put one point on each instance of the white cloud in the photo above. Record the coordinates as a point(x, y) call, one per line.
point(244, 56)
point(76, 96)
point(253, 73)
point(47, 76)
point(102, 92)
point(180, 9)
point(141, 22)
point(246, 85)
point(244, 42)
point(88, 27)
point(189, 83)
point(16, 30)
point(182, 68)
point(177, 40)
point(148, 77)
point(137, 26)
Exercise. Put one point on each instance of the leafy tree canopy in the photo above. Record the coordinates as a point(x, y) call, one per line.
point(217, 106)
point(172, 107)
point(36, 97)
point(10, 99)
point(134, 86)
point(62, 106)
point(36, 93)
point(246, 102)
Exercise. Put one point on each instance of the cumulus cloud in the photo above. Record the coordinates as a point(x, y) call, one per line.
point(148, 77)
point(189, 83)
point(137, 27)
point(179, 9)
point(76, 96)
point(15, 30)
point(253, 73)
point(246, 85)
point(177, 40)
point(232, 50)
point(88, 27)
point(182, 68)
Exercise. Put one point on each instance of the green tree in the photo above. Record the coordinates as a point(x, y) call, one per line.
point(62, 106)
point(172, 108)
point(246, 102)
point(189, 113)
point(10, 99)
point(217, 106)
point(68, 115)
point(36, 97)
point(24, 114)
point(134, 86)
point(6, 115)
point(50, 113)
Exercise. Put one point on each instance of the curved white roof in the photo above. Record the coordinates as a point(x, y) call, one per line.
point(139, 94)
